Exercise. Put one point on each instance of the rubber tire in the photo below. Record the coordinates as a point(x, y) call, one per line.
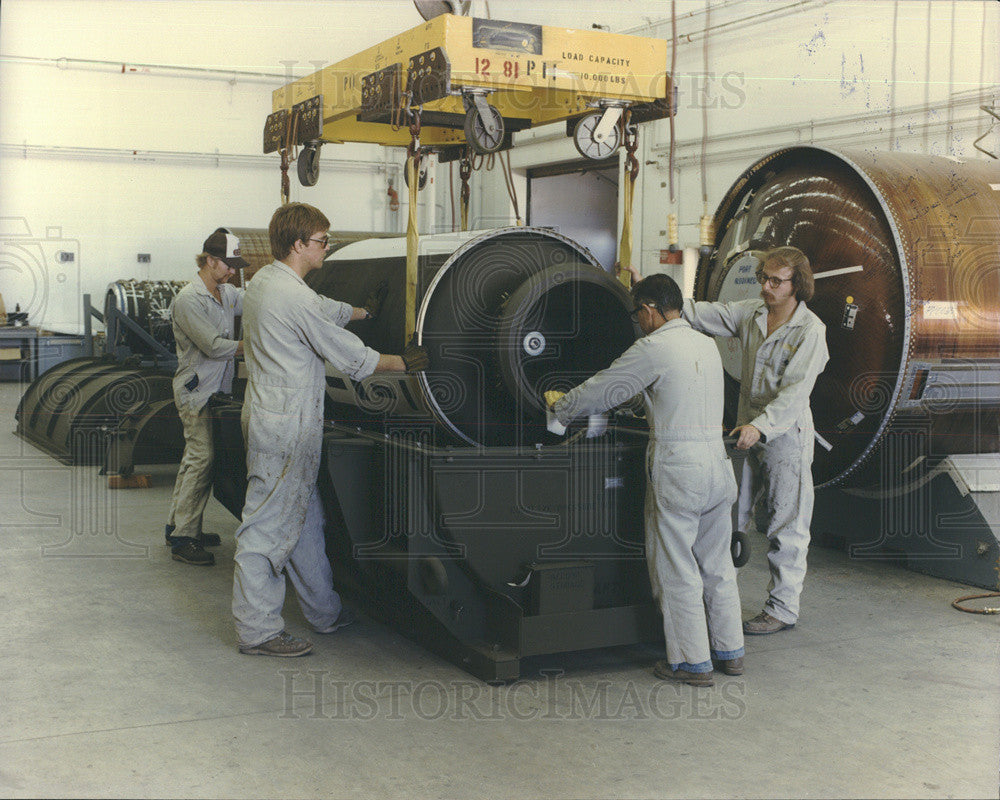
point(308, 165)
point(585, 144)
point(475, 132)
point(740, 549)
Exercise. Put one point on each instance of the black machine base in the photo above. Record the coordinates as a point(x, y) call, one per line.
point(947, 525)
point(484, 556)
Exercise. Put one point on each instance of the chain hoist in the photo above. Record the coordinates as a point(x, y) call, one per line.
point(631, 140)
point(413, 148)
point(412, 234)
point(464, 173)
point(288, 156)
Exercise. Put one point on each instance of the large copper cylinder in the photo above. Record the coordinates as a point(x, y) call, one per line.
point(906, 253)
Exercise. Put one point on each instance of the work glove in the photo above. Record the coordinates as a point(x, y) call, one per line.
point(415, 358)
point(373, 303)
point(552, 397)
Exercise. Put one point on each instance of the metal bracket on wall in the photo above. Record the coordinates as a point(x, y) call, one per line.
point(975, 144)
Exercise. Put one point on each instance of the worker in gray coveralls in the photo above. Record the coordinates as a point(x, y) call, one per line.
point(784, 349)
point(691, 487)
point(289, 333)
point(203, 315)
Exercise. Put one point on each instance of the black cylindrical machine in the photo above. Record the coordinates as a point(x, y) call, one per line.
point(455, 515)
point(505, 315)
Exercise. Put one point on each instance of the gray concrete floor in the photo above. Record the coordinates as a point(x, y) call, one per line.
point(121, 678)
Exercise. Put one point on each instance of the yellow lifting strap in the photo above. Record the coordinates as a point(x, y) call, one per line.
point(412, 248)
point(412, 236)
point(628, 193)
point(625, 245)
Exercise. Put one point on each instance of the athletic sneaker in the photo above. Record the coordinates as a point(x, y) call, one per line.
point(190, 551)
point(283, 645)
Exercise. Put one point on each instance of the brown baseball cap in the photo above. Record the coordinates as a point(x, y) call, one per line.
point(226, 247)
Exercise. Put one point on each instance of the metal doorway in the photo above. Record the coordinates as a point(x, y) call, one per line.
point(580, 200)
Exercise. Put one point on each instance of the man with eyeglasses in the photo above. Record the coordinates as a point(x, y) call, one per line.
point(203, 318)
point(290, 332)
point(691, 488)
point(784, 350)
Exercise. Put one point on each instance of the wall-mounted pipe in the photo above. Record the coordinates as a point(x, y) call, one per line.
point(853, 139)
point(963, 99)
point(770, 13)
point(159, 70)
point(174, 157)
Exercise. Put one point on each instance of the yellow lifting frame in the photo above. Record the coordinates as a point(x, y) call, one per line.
point(531, 74)
point(534, 74)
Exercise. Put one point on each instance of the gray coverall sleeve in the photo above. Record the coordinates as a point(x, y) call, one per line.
point(795, 386)
point(715, 319)
point(337, 312)
point(204, 335)
point(341, 348)
point(627, 376)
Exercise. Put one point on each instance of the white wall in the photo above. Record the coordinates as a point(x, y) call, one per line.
point(69, 181)
point(845, 73)
point(773, 83)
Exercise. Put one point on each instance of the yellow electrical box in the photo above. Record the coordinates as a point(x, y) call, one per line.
point(476, 81)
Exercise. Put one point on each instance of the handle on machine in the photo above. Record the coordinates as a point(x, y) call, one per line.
point(740, 549)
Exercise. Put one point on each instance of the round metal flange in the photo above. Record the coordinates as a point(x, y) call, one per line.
point(586, 142)
point(459, 317)
point(559, 311)
point(307, 165)
point(534, 343)
point(479, 139)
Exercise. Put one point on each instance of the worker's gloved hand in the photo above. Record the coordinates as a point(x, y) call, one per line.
point(415, 358)
point(373, 303)
point(552, 397)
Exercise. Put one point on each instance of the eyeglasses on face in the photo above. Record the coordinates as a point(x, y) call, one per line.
point(771, 280)
point(325, 241)
point(637, 309)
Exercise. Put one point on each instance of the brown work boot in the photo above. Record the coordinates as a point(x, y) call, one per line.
point(662, 670)
point(764, 623)
point(731, 666)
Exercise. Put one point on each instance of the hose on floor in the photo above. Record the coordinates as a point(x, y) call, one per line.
point(986, 610)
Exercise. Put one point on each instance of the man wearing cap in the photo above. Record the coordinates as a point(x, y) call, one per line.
point(291, 333)
point(203, 315)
